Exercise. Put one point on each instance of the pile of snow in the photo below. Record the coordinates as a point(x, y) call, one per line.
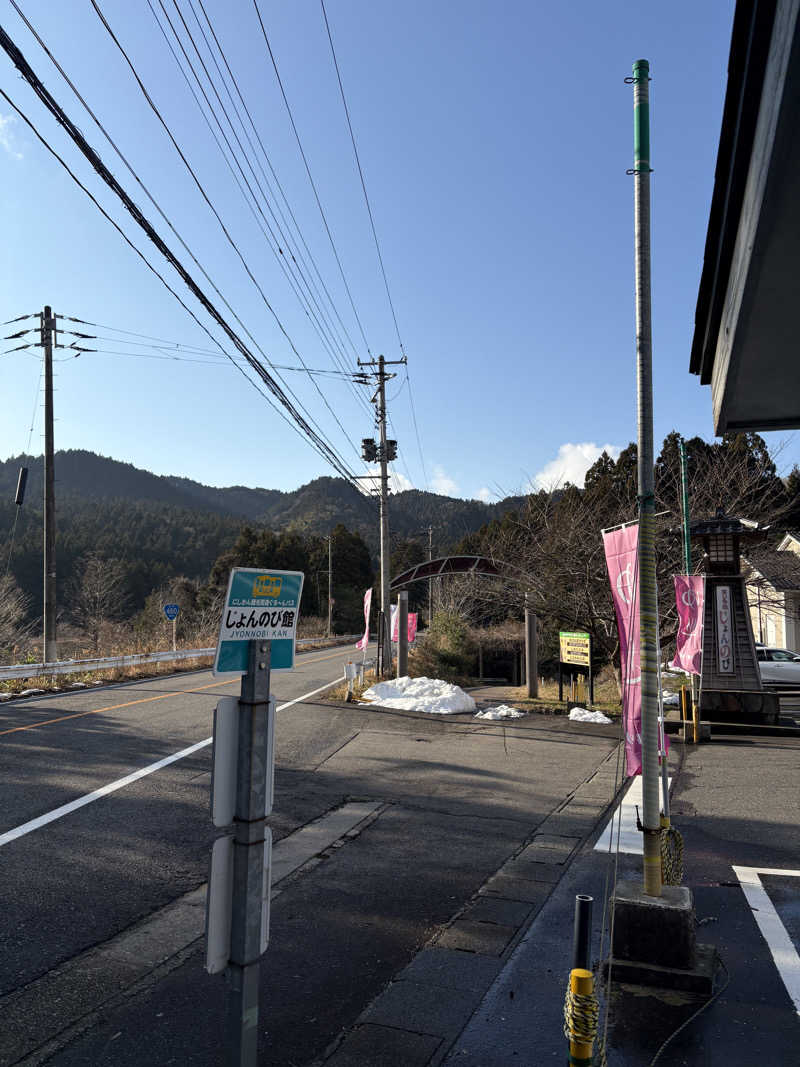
point(420, 694)
point(502, 711)
point(30, 692)
point(672, 698)
point(77, 685)
point(582, 715)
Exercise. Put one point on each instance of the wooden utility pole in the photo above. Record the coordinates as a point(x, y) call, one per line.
point(50, 650)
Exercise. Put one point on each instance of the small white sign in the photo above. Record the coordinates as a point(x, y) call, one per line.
point(219, 906)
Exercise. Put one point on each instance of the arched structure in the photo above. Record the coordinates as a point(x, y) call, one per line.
point(435, 568)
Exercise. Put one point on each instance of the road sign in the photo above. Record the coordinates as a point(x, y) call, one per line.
point(172, 611)
point(260, 605)
point(576, 647)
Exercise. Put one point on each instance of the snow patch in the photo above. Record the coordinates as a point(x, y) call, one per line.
point(30, 692)
point(502, 711)
point(78, 685)
point(582, 715)
point(420, 694)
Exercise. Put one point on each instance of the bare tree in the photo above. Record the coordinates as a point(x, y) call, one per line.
point(14, 628)
point(96, 596)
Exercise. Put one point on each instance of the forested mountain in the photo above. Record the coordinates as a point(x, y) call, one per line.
point(160, 527)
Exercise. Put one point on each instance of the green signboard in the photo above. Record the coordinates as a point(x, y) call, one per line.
point(263, 605)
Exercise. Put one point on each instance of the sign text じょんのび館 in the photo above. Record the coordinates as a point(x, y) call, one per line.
point(260, 605)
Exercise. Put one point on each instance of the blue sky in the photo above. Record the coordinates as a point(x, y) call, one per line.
point(494, 140)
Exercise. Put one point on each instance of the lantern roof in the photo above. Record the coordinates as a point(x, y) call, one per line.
point(726, 524)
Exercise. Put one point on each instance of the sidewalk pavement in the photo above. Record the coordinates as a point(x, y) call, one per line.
point(737, 803)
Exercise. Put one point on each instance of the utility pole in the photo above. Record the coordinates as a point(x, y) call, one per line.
point(383, 452)
point(48, 324)
point(430, 580)
point(648, 590)
point(330, 580)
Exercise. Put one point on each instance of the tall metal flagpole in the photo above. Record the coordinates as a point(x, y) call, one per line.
point(648, 596)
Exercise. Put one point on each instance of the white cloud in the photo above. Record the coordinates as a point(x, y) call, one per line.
point(484, 494)
point(442, 483)
point(571, 464)
point(398, 483)
point(7, 137)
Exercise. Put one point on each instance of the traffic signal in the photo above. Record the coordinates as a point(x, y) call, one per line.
point(369, 450)
point(391, 450)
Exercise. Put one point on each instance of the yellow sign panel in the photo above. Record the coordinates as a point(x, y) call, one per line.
point(266, 585)
point(576, 647)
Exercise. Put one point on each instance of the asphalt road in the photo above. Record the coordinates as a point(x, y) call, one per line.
point(453, 800)
point(81, 878)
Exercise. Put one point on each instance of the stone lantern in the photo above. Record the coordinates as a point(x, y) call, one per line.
point(730, 681)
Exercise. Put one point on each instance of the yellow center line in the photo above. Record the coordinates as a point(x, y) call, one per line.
point(141, 700)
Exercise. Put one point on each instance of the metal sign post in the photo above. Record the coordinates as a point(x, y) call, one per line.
point(257, 635)
point(172, 611)
point(250, 896)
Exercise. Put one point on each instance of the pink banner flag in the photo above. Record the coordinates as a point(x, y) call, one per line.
point(412, 625)
point(367, 605)
point(623, 573)
point(690, 598)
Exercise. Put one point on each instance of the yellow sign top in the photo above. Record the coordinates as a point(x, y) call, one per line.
point(266, 585)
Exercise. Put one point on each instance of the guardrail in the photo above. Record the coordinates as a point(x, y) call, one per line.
point(107, 663)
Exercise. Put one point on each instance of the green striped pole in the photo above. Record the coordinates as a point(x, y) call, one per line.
point(687, 548)
point(648, 599)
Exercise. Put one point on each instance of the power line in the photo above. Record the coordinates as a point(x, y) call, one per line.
point(269, 234)
point(310, 178)
point(128, 166)
point(361, 176)
point(230, 240)
point(265, 154)
point(374, 233)
point(300, 423)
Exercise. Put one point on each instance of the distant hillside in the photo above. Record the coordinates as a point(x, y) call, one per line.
point(84, 477)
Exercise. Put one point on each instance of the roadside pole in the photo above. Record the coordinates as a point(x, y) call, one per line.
point(648, 590)
point(402, 634)
point(531, 652)
point(687, 566)
point(330, 580)
point(49, 619)
point(258, 628)
point(251, 872)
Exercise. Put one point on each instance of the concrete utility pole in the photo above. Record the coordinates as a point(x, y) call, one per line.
point(648, 590)
point(49, 616)
point(430, 580)
point(386, 665)
point(531, 652)
point(385, 451)
point(330, 581)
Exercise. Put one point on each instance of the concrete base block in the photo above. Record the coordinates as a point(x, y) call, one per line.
point(698, 980)
point(654, 930)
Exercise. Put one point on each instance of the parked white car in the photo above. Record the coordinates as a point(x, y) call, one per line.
point(779, 666)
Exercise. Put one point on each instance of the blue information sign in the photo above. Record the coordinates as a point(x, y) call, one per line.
point(172, 611)
point(262, 605)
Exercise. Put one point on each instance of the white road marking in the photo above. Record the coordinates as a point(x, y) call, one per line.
point(624, 819)
point(112, 787)
point(772, 929)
